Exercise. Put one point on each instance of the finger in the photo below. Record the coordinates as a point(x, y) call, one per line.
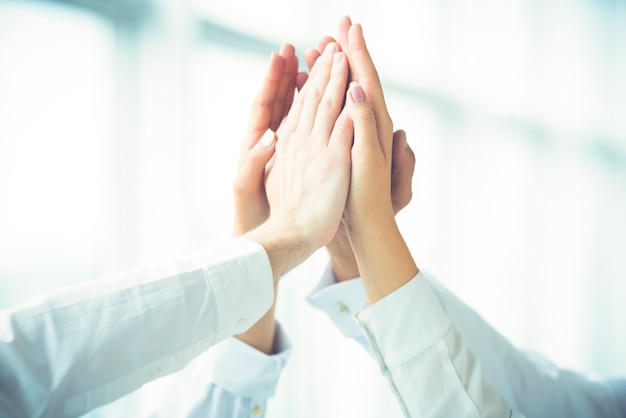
point(310, 56)
point(301, 79)
point(343, 132)
point(250, 176)
point(342, 37)
point(262, 106)
point(402, 168)
point(365, 131)
point(343, 27)
point(332, 101)
point(313, 92)
point(288, 53)
point(321, 45)
point(291, 88)
point(365, 74)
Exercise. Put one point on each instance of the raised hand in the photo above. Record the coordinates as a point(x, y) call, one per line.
point(339, 249)
point(271, 105)
point(383, 258)
point(402, 162)
point(308, 183)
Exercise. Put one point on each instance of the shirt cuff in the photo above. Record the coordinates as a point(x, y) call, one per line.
point(245, 371)
point(242, 283)
point(340, 301)
point(389, 332)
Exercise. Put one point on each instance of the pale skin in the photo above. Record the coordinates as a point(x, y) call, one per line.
point(312, 167)
point(271, 105)
point(368, 219)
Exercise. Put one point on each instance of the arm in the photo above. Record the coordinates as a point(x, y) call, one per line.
point(270, 107)
point(236, 377)
point(82, 347)
point(430, 368)
point(89, 345)
point(528, 382)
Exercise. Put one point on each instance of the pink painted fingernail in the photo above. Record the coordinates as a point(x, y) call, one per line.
point(358, 95)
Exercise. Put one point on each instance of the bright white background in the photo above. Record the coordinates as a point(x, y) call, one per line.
point(120, 123)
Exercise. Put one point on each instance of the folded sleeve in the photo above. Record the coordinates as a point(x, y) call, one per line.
point(231, 380)
point(340, 301)
point(529, 383)
point(79, 348)
point(431, 370)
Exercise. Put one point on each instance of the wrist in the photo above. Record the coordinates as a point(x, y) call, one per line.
point(363, 231)
point(286, 245)
point(383, 259)
point(342, 260)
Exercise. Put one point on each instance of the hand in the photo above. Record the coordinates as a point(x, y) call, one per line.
point(271, 105)
point(383, 258)
point(341, 255)
point(308, 183)
point(309, 179)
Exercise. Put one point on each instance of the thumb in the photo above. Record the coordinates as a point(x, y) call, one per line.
point(251, 173)
point(362, 115)
point(402, 168)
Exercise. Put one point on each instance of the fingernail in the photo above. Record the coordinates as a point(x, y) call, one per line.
point(337, 58)
point(405, 143)
point(358, 95)
point(330, 49)
point(268, 138)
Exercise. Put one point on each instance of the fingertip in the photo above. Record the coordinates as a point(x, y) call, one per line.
point(324, 41)
point(356, 92)
point(310, 56)
point(402, 138)
point(355, 35)
point(275, 67)
point(301, 79)
point(287, 50)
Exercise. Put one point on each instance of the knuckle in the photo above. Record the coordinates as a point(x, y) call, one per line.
point(365, 114)
point(327, 103)
point(314, 93)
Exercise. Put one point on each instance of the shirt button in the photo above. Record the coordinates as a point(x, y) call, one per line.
point(241, 322)
point(343, 308)
point(257, 410)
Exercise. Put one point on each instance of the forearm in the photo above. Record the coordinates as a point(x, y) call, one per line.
point(60, 346)
point(261, 335)
point(342, 260)
point(383, 258)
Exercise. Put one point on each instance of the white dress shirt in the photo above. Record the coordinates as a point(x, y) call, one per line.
point(444, 379)
point(66, 353)
point(529, 383)
point(231, 380)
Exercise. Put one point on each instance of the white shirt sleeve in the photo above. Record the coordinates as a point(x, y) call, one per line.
point(66, 353)
point(231, 380)
point(529, 383)
point(431, 370)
